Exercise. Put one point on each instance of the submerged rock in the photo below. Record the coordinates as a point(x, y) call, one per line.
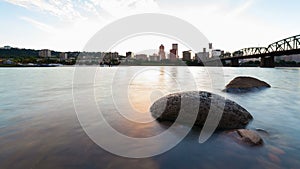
point(245, 136)
point(250, 137)
point(262, 131)
point(167, 108)
point(276, 150)
point(274, 158)
point(244, 84)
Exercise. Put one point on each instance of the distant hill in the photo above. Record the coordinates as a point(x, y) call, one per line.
point(17, 53)
point(29, 53)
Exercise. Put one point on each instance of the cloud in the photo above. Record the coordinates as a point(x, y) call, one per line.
point(241, 9)
point(227, 24)
point(77, 20)
point(39, 25)
point(120, 8)
point(62, 9)
point(78, 9)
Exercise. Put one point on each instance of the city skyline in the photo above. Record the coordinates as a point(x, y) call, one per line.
point(148, 53)
point(279, 52)
point(67, 26)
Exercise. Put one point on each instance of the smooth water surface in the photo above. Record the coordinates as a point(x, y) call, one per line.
point(39, 126)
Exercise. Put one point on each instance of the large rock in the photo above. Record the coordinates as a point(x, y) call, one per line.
point(168, 107)
point(243, 84)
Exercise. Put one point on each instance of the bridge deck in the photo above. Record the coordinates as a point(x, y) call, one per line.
point(277, 53)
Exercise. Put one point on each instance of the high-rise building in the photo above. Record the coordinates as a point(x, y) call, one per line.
point(174, 52)
point(161, 52)
point(202, 56)
point(175, 46)
point(175, 49)
point(210, 45)
point(186, 55)
point(173, 55)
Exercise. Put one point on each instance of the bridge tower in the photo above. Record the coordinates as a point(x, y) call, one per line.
point(235, 62)
point(267, 61)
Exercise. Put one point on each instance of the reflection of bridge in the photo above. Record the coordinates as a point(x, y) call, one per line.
point(288, 46)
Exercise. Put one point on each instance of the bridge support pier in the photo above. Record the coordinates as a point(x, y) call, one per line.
point(235, 62)
point(267, 61)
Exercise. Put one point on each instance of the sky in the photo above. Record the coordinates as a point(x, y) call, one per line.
point(66, 25)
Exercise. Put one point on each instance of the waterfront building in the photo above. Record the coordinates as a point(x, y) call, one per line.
point(110, 56)
point(154, 58)
point(142, 57)
point(7, 47)
point(63, 56)
point(8, 62)
point(129, 55)
point(45, 53)
point(216, 53)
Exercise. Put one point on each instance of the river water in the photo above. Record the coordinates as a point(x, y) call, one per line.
point(39, 127)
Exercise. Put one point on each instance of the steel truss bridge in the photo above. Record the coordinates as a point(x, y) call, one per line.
point(288, 46)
